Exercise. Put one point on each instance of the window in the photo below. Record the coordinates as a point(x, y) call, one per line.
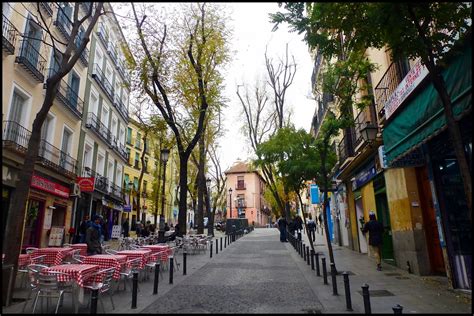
point(73, 90)
point(17, 116)
point(122, 136)
point(240, 183)
point(128, 154)
point(114, 126)
point(87, 156)
point(56, 59)
point(100, 163)
point(46, 132)
point(99, 57)
point(118, 175)
point(18, 107)
point(94, 103)
point(110, 172)
point(32, 42)
point(146, 165)
point(137, 158)
point(135, 183)
point(65, 149)
point(105, 115)
point(138, 143)
point(129, 135)
point(126, 180)
point(144, 189)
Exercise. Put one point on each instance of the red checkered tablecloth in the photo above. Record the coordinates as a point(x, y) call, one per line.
point(82, 247)
point(54, 256)
point(108, 261)
point(24, 260)
point(144, 255)
point(159, 251)
point(73, 272)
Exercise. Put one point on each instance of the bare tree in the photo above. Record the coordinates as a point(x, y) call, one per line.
point(66, 55)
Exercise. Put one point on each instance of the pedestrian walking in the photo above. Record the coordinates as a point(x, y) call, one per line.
point(298, 226)
point(125, 228)
point(83, 228)
point(311, 228)
point(320, 220)
point(375, 229)
point(93, 234)
point(282, 223)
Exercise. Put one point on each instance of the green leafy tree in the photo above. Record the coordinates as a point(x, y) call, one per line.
point(431, 31)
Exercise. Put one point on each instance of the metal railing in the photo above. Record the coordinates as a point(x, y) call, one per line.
point(345, 147)
point(362, 120)
point(68, 97)
point(31, 59)
point(63, 23)
point(47, 7)
point(98, 127)
point(116, 191)
point(112, 52)
point(102, 34)
point(84, 58)
point(103, 82)
point(122, 109)
point(118, 147)
point(121, 69)
point(9, 33)
point(386, 86)
point(16, 137)
point(101, 183)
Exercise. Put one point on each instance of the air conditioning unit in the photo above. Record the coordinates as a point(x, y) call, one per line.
point(76, 190)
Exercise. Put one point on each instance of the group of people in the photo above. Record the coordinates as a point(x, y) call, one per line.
point(144, 230)
point(93, 233)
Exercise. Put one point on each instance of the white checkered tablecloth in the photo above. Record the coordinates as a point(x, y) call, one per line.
point(75, 272)
point(24, 260)
point(82, 247)
point(144, 255)
point(54, 256)
point(108, 261)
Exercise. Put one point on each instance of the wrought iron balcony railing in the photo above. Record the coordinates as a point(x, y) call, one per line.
point(118, 148)
point(101, 183)
point(47, 7)
point(121, 69)
point(102, 34)
point(31, 59)
point(98, 128)
point(363, 119)
point(16, 137)
point(345, 147)
point(103, 82)
point(69, 98)
point(116, 192)
point(9, 33)
point(112, 52)
point(122, 109)
point(387, 85)
point(84, 58)
point(64, 24)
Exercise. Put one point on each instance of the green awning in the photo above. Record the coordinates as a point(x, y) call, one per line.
point(423, 115)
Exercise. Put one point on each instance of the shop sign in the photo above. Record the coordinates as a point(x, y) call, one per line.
point(56, 236)
point(382, 157)
point(48, 217)
point(405, 88)
point(86, 183)
point(127, 208)
point(43, 184)
point(314, 192)
point(364, 176)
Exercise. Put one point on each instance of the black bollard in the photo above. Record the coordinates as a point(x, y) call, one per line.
point(225, 242)
point(94, 298)
point(171, 269)
point(221, 243)
point(184, 262)
point(366, 296)
point(312, 259)
point(134, 289)
point(397, 309)
point(318, 273)
point(325, 272)
point(333, 279)
point(347, 291)
point(210, 250)
point(307, 255)
point(304, 252)
point(157, 277)
point(217, 246)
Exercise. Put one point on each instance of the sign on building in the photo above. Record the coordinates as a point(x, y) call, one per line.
point(314, 192)
point(56, 236)
point(116, 231)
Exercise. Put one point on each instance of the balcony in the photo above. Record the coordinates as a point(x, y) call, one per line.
point(119, 148)
point(15, 138)
point(102, 34)
point(46, 6)
point(112, 52)
point(101, 183)
point(240, 186)
point(98, 128)
point(9, 36)
point(84, 58)
point(345, 148)
point(64, 24)
point(387, 85)
point(116, 192)
point(103, 82)
point(69, 98)
point(121, 69)
point(363, 119)
point(31, 60)
point(122, 109)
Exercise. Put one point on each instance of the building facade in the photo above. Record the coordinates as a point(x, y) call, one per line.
point(246, 198)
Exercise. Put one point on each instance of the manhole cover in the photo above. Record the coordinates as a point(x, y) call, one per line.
point(378, 293)
point(311, 311)
point(402, 278)
point(392, 274)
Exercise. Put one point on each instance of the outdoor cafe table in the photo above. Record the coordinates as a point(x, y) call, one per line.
point(108, 261)
point(82, 247)
point(54, 256)
point(164, 251)
point(24, 259)
point(144, 255)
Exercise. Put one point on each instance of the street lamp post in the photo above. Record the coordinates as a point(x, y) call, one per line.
point(230, 202)
point(156, 195)
point(164, 158)
point(210, 227)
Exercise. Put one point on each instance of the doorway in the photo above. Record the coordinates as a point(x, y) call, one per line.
point(59, 216)
point(383, 216)
point(33, 223)
point(360, 220)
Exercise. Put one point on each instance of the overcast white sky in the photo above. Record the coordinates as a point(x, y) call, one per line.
point(251, 33)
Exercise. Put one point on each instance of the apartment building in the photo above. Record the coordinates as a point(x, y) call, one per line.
point(245, 195)
point(27, 62)
point(102, 153)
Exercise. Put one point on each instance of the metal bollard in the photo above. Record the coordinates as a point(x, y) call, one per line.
point(184, 262)
point(366, 296)
point(94, 298)
point(312, 259)
point(325, 272)
point(318, 273)
point(397, 309)
point(157, 278)
point(217, 246)
point(225, 242)
point(171, 269)
point(221, 243)
point(307, 255)
point(304, 252)
point(210, 250)
point(333, 279)
point(347, 291)
point(134, 289)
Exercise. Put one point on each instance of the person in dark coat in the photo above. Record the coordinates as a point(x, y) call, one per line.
point(282, 223)
point(298, 226)
point(93, 234)
point(83, 228)
point(375, 229)
point(125, 228)
point(311, 228)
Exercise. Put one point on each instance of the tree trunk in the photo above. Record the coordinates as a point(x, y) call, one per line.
point(201, 181)
point(456, 139)
point(140, 178)
point(183, 193)
point(306, 223)
point(325, 203)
